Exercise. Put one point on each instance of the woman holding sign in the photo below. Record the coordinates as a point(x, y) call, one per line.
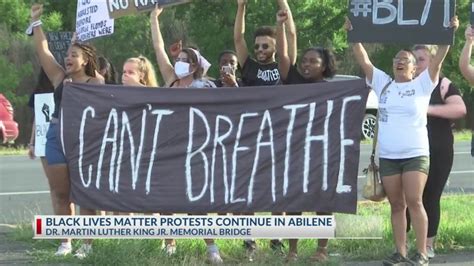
point(316, 65)
point(467, 69)
point(188, 72)
point(81, 66)
point(403, 140)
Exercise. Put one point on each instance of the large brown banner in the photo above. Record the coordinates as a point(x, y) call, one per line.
point(279, 148)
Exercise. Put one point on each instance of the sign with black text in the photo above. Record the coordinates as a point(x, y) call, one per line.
point(58, 43)
point(403, 21)
point(92, 20)
point(276, 148)
point(44, 108)
point(120, 8)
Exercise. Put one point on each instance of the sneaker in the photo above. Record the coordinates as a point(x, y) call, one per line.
point(250, 249)
point(430, 252)
point(83, 251)
point(213, 255)
point(396, 259)
point(321, 254)
point(169, 249)
point(277, 246)
point(64, 249)
point(419, 259)
point(292, 257)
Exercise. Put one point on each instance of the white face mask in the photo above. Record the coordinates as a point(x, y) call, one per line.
point(181, 69)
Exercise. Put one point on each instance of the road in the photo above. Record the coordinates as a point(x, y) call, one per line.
point(24, 189)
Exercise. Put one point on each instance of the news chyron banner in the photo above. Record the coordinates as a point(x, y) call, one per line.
point(141, 227)
point(285, 148)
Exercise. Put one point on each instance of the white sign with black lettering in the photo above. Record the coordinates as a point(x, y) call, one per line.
point(44, 108)
point(92, 20)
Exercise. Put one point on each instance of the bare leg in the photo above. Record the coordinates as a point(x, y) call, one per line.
point(413, 185)
point(394, 190)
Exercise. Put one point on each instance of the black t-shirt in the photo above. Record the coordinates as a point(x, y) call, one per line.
point(256, 74)
point(294, 77)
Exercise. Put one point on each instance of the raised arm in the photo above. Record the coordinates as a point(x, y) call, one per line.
point(239, 31)
point(166, 68)
point(282, 45)
point(361, 55)
point(51, 67)
point(465, 66)
point(437, 62)
point(290, 28)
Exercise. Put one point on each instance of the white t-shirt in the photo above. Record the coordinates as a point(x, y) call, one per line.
point(402, 130)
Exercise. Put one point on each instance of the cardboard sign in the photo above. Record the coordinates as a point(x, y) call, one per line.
point(44, 108)
point(58, 43)
point(120, 8)
point(403, 21)
point(92, 20)
point(268, 148)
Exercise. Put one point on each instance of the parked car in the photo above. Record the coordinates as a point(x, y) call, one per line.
point(370, 117)
point(8, 127)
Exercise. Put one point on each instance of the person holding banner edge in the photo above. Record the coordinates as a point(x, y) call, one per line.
point(317, 63)
point(187, 72)
point(404, 165)
point(80, 66)
point(445, 104)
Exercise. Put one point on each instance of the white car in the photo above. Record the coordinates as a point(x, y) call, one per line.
point(370, 117)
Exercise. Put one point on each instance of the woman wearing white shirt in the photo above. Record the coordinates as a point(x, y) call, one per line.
point(403, 141)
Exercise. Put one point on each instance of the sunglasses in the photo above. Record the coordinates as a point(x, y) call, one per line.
point(264, 46)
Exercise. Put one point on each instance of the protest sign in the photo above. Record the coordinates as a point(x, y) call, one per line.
point(92, 20)
point(120, 8)
point(404, 21)
point(281, 148)
point(58, 43)
point(44, 107)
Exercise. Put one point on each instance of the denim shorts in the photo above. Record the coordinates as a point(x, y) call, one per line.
point(399, 166)
point(54, 151)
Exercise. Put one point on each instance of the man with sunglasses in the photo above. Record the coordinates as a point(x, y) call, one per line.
point(261, 70)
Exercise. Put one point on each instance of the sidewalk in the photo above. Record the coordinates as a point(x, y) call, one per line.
point(16, 253)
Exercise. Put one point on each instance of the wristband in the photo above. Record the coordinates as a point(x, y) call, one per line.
point(29, 30)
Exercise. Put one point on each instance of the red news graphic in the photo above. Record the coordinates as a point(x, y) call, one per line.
point(183, 226)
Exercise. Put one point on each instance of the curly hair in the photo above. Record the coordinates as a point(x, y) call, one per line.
point(329, 60)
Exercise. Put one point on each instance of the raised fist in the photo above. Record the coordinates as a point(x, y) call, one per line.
point(282, 16)
point(36, 12)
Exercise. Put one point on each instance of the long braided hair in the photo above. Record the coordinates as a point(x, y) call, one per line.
point(89, 54)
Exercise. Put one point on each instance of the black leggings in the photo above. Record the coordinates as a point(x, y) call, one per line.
point(441, 162)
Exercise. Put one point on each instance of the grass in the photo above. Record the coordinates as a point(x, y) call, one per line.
point(455, 233)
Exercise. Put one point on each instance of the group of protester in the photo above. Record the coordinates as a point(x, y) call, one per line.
point(416, 106)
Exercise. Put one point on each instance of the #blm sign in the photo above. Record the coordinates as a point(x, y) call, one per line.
point(403, 21)
point(92, 20)
point(276, 148)
point(44, 107)
point(120, 8)
point(58, 43)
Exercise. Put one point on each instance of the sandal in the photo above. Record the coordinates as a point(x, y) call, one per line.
point(321, 254)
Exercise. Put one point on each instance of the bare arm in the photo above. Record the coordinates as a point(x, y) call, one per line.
point(166, 68)
point(465, 66)
point(290, 32)
point(239, 31)
point(437, 62)
point(453, 108)
point(282, 45)
point(51, 67)
point(97, 80)
point(31, 145)
point(361, 55)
